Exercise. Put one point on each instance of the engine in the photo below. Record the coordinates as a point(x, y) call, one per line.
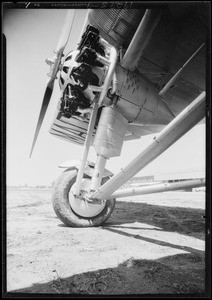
point(80, 69)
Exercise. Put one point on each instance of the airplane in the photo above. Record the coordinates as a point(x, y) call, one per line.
point(133, 72)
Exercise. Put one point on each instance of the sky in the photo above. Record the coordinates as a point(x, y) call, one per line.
point(31, 36)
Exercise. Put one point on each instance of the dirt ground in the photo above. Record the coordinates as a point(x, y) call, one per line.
point(152, 244)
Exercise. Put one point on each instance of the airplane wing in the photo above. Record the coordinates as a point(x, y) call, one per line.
point(179, 31)
point(173, 45)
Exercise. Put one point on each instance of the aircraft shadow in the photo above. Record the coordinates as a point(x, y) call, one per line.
point(186, 221)
point(173, 275)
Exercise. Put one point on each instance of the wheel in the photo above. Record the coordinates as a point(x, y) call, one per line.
point(76, 212)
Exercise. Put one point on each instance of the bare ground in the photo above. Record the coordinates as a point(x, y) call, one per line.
point(153, 244)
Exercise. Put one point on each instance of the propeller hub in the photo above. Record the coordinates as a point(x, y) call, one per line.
point(66, 69)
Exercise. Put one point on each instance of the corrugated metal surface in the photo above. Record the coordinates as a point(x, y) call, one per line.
point(173, 42)
point(116, 25)
point(181, 30)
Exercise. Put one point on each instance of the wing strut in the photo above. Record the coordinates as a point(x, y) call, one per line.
point(188, 118)
point(140, 39)
point(174, 78)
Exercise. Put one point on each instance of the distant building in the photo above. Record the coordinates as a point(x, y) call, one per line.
point(139, 180)
point(165, 178)
point(176, 176)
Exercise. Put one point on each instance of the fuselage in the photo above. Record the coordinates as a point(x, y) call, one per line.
point(137, 98)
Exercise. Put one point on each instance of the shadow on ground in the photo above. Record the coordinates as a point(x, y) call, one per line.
point(186, 221)
point(132, 277)
point(181, 274)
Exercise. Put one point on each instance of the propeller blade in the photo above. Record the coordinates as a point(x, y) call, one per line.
point(46, 99)
point(54, 67)
point(66, 30)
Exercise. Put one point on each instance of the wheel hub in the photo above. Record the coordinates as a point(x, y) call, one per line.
point(80, 205)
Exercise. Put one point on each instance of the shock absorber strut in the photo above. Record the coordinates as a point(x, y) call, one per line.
point(189, 117)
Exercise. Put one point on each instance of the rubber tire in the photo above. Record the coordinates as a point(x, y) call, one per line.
point(63, 210)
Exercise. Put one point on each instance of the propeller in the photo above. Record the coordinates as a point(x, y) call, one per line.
point(54, 68)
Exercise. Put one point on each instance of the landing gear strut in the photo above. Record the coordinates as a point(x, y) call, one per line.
point(75, 203)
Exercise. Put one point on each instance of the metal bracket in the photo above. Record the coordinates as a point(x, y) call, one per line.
point(88, 170)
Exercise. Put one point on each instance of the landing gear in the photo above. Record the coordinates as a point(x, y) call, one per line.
point(75, 211)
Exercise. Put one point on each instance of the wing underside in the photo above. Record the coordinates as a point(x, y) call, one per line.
point(180, 31)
